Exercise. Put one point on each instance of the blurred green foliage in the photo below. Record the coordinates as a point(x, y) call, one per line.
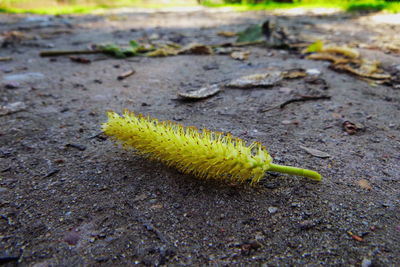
point(346, 5)
point(87, 6)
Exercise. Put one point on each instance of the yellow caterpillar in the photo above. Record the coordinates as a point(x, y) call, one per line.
point(205, 154)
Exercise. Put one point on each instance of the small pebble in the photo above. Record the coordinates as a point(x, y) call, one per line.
point(72, 237)
point(272, 210)
point(366, 262)
point(313, 72)
point(295, 205)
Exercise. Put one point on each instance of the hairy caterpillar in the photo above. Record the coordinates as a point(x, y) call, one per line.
point(205, 154)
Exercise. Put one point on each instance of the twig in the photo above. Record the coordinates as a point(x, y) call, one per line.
point(5, 58)
point(68, 52)
point(302, 98)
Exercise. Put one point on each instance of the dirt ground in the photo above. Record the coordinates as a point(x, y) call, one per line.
point(69, 197)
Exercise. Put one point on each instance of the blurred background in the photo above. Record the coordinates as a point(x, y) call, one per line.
point(86, 6)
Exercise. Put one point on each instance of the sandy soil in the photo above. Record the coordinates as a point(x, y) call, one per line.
point(69, 197)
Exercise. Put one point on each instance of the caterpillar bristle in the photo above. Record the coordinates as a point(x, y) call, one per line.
point(203, 153)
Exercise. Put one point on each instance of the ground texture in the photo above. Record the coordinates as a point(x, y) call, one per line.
point(69, 197)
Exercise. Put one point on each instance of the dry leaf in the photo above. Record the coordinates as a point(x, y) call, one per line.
point(341, 50)
point(349, 60)
point(227, 34)
point(240, 55)
point(126, 74)
point(294, 74)
point(203, 92)
point(196, 49)
point(360, 72)
point(163, 52)
point(364, 184)
point(257, 80)
point(329, 57)
point(315, 152)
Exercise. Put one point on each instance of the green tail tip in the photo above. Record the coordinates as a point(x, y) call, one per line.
point(295, 171)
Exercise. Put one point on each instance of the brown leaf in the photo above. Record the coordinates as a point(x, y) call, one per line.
point(341, 50)
point(328, 57)
point(201, 93)
point(257, 80)
point(196, 49)
point(362, 71)
point(364, 184)
point(294, 74)
point(164, 52)
point(240, 55)
point(126, 74)
point(227, 34)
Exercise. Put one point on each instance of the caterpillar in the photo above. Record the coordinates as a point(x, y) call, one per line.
point(204, 154)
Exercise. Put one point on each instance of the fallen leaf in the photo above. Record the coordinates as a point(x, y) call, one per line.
point(257, 80)
point(329, 57)
point(164, 51)
point(227, 34)
point(126, 74)
point(349, 60)
point(315, 152)
point(13, 37)
point(341, 50)
point(314, 47)
point(196, 49)
point(294, 74)
point(252, 33)
point(201, 93)
point(361, 71)
point(240, 55)
point(364, 184)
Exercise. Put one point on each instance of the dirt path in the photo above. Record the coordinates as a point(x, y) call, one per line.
point(68, 197)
